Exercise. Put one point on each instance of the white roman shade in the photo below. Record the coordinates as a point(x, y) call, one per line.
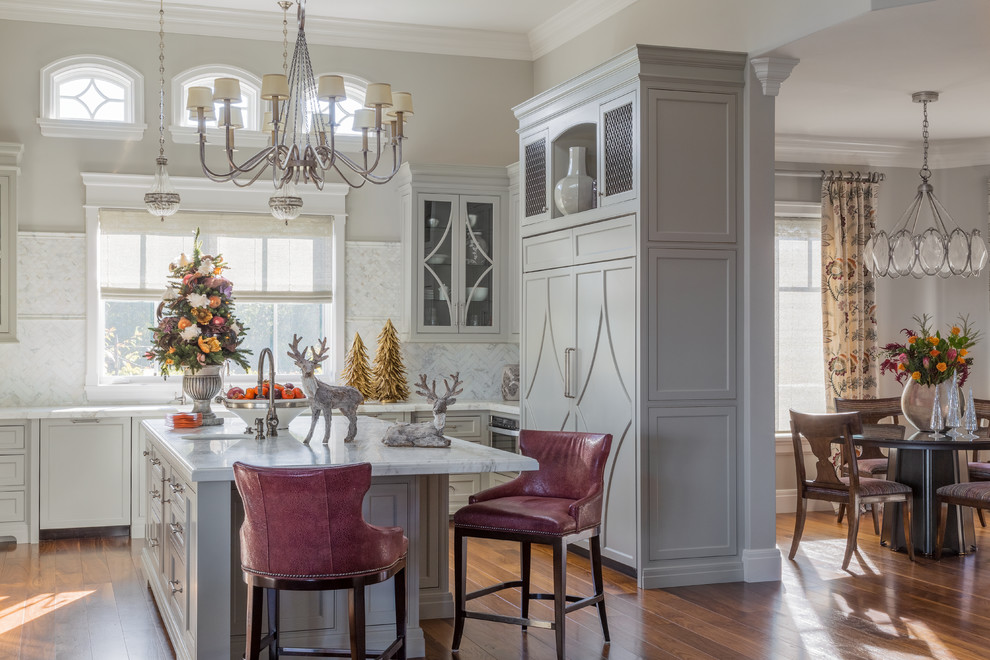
point(269, 261)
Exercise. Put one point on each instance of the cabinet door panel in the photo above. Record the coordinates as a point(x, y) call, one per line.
point(85, 474)
point(548, 300)
point(605, 365)
point(480, 275)
point(438, 252)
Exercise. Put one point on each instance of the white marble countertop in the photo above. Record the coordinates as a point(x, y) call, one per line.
point(209, 453)
point(132, 410)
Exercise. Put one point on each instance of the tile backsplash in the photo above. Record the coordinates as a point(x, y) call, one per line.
point(46, 366)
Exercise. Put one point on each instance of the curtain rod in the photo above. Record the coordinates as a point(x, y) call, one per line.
point(870, 177)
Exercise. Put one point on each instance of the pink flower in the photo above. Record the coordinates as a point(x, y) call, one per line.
point(950, 355)
point(925, 363)
point(201, 358)
point(218, 321)
point(903, 358)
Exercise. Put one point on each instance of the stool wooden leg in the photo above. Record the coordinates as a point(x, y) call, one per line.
point(254, 600)
point(596, 576)
point(525, 561)
point(273, 623)
point(356, 617)
point(559, 593)
point(460, 602)
point(399, 582)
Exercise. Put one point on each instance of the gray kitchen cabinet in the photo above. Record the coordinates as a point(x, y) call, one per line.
point(466, 427)
point(629, 307)
point(18, 455)
point(85, 473)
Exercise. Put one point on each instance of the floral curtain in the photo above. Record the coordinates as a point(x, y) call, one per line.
point(849, 321)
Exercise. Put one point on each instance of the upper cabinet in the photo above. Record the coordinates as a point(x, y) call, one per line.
point(455, 248)
point(10, 156)
point(579, 162)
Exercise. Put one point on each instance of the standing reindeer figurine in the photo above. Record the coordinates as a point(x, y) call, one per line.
point(426, 434)
point(324, 398)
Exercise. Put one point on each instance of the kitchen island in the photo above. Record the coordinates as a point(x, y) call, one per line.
point(192, 553)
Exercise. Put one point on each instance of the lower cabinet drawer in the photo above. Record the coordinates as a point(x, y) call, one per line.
point(459, 488)
point(175, 585)
point(12, 470)
point(12, 506)
point(11, 437)
point(465, 427)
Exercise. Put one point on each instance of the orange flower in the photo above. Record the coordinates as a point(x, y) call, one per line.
point(208, 344)
point(934, 352)
point(956, 330)
point(941, 366)
point(961, 360)
point(169, 361)
point(916, 375)
point(912, 339)
point(172, 350)
point(216, 271)
point(933, 340)
point(901, 367)
point(184, 323)
point(963, 352)
point(202, 315)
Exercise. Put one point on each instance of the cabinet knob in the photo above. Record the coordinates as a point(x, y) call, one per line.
point(176, 586)
point(153, 543)
point(176, 488)
point(145, 452)
point(154, 494)
point(175, 528)
point(156, 461)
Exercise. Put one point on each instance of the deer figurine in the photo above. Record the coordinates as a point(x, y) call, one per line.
point(324, 398)
point(426, 434)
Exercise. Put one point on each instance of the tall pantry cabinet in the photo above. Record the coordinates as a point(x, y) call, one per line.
point(629, 309)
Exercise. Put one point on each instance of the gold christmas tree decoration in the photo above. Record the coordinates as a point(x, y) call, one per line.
point(389, 373)
point(357, 370)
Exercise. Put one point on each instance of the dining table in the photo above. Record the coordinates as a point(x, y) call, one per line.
point(926, 462)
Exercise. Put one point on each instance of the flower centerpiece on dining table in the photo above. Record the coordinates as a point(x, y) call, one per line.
point(927, 360)
point(197, 330)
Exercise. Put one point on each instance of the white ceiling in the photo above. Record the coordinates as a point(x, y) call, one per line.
point(855, 79)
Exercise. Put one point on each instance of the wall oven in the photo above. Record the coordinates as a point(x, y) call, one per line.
point(504, 432)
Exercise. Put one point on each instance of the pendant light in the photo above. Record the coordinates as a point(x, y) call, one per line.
point(161, 200)
point(926, 240)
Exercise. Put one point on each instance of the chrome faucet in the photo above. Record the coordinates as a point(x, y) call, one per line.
point(271, 417)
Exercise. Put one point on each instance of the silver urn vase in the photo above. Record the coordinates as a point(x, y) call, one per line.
point(917, 401)
point(201, 387)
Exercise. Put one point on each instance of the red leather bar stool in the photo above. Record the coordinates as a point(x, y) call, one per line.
point(558, 504)
point(303, 530)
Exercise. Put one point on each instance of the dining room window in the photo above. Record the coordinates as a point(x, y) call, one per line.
point(90, 96)
point(798, 354)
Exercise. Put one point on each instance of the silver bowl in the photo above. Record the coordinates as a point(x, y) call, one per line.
point(251, 409)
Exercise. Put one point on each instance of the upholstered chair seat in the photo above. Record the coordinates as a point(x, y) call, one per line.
point(975, 494)
point(303, 530)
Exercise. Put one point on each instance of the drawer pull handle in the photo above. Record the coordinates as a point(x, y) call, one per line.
point(155, 494)
point(175, 528)
point(84, 420)
point(153, 543)
point(177, 488)
point(176, 586)
point(156, 461)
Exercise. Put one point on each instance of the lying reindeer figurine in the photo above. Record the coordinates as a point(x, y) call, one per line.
point(324, 398)
point(426, 434)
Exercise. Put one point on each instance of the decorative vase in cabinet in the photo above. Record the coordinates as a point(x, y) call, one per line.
point(575, 192)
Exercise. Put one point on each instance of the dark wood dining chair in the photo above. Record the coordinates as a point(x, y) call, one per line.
point(820, 431)
point(968, 493)
point(979, 470)
point(872, 460)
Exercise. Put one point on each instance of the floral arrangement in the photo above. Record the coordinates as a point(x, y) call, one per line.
point(928, 357)
point(196, 322)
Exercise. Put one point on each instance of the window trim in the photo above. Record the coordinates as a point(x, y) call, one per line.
point(132, 128)
point(125, 191)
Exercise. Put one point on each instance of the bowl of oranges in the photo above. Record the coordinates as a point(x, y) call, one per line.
point(251, 403)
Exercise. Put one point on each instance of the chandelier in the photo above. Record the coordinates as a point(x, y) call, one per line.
point(926, 240)
point(161, 200)
point(302, 144)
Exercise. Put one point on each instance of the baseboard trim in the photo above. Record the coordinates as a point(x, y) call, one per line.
point(728, 569)
point(762, 565)
point(607, 562)
point(84, 532)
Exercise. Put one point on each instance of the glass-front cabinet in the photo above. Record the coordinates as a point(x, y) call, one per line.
point(458, 264)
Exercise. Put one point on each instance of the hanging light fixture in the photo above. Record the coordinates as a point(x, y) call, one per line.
point(285, 204)
point(161, 200)
point(302, 147)
point(926, 240)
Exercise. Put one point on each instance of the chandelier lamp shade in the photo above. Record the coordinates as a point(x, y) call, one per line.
point(926, 240)
point(162, 200)
point(302, 147)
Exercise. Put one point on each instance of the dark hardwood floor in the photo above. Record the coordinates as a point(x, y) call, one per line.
point(86, 598)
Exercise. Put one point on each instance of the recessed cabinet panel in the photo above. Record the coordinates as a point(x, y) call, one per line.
point(11, 437)
point(12, 470)
point(619, 140)
point(681, 445)
point(12, 506)
point(692, 324)
point(535, 177)
point(548, 301)
point(692, 166)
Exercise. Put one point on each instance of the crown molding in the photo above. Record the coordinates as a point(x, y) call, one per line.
point(207, 21)
point(771, 71)
point(571, 22)
point(880, 153)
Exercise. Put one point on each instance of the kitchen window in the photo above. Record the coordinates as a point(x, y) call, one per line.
point(798, 353)
point(282, 277)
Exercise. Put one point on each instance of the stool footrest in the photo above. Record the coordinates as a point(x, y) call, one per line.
point(337, 653)
point(492, 589)
point(568, 598)
point(499, 618)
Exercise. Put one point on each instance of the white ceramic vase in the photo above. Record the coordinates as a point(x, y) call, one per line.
point(574, 192)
